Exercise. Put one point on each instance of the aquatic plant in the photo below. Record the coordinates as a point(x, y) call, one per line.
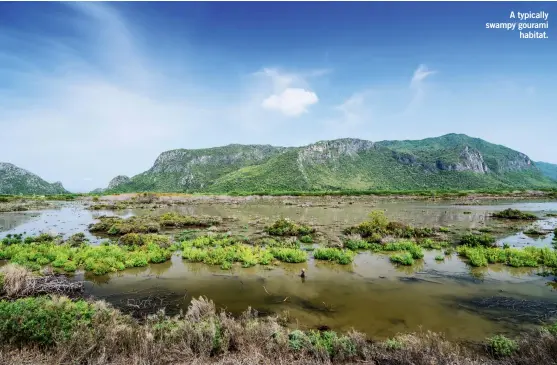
point(292, 255)
point(142, 239)
point(96, 259)
point(285, 227)
point(337, 255)
point(440, 258)
point(378, 226)
point(514, 214)
point(484, 239)
point(404, 258)
point(431, 244)
point(356, 244)
point(527, 257)
point(173, 219)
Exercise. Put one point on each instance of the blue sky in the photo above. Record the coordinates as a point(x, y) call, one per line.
point(92, 90)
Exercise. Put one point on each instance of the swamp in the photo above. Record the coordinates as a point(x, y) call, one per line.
point(387, 267)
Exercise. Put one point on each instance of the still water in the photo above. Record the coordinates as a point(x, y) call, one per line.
point(370, 295)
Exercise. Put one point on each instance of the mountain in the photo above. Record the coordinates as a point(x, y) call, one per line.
point(452, 161)
point(548, 169)
point(15, 180)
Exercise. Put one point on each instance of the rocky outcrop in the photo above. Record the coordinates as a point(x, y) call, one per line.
point(15, 180)
point(117, 181)
point(336, 164)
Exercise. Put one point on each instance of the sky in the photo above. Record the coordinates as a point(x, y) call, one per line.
point(93, 90)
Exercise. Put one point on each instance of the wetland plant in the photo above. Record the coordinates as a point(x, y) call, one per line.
point(474, 240)
point(514, 214)
point(343, 257)
point(526, 257)
point(285, 227)
point(440, 258)
point(501, 346)
point(404, 258)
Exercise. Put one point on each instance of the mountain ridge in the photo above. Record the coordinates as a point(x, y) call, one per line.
point(16, 180)
point(451, 161)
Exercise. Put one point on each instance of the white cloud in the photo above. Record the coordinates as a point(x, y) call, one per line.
point(291, 102)
point(290, 92)
point(421, 73)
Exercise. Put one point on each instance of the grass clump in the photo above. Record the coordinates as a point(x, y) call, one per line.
point(285, 227)
point(173, 219)
point(291, 255)
point(99, 260)
point(514, 214)
point(404, 258)
point(343, 257)
point(475, 240)
point(378, 226)
point(527, 257)
point(42, 320)
point(501, 346)
point(439, 258)
point(142, 239)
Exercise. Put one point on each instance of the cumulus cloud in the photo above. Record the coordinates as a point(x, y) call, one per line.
point(291, 102)
point(290, 94)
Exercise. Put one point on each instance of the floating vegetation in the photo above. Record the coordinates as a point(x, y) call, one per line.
point(514, 214)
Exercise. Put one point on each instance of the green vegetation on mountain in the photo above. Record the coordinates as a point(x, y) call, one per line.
point(548, 169)
point(15, 180)
point(453, 161)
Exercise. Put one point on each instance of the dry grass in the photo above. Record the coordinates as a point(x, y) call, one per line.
point(18, 281)
point(205, 336)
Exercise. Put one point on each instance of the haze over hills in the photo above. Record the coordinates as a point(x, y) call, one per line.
point(548, 169)
point(452, 161)
point(15, 180)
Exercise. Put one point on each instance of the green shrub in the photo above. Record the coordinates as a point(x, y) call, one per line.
point(484, 239)
point(292, 255)
point(393, 344)
point(339, 256)
point(41, 320)
point(514, 214)
point(404, 258)
point(354, 244)
point(440, 258)
point(501, 346)
point(285, 227)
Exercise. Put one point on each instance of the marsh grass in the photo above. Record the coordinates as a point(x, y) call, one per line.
point(377, 227)
point(150, 224)
point(225, 250)
point(514, 214)
point(343, 257)
point(99, 260)
point(285, 227)
point(476, 240)
point(526, 257)
point(404, 258)
point(56, 330)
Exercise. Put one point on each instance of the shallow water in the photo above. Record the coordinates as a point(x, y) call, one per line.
point(370, 295)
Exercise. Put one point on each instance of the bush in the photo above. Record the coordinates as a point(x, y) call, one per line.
point(402, 259)
point(42, 320)
point(514, 214)
point(501, 346)
point(474, 240)
point(285, 227)
point(339, 256)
